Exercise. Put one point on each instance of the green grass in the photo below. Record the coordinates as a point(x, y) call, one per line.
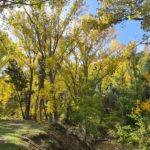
point(11, 133)
point(9, 146)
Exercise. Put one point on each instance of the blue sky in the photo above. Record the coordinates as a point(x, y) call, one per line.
point(128, 30)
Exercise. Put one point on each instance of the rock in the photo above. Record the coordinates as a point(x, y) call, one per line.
point(60, 137)
point(68, 138)
point(2, 141)
point(79, 132)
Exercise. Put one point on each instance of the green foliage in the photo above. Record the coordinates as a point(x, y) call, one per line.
point(17, 76)
point(87, 109)
point(115, 11)
point(137, 135)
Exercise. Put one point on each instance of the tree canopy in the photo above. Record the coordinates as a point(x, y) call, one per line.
point(115, 11)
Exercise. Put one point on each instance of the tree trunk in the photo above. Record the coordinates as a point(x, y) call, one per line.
point(45, 112)
point(30, 95)
point(41, 117)
point(20, 104)
point(35, 108)
point(42, 76)
point(23, 115)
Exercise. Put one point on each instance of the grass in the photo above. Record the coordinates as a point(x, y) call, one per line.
point(11, 133)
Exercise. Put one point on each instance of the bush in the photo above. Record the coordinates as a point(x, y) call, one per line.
point(137, 135)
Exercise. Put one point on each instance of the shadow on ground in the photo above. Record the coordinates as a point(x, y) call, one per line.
point(10, 146)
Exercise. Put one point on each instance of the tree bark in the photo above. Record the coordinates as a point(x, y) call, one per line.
point(29, 96)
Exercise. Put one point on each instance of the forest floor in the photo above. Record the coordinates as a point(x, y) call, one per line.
point(30, 135)
point(12, 134)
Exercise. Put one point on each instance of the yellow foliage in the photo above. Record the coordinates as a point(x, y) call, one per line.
point(129, 49)
point(137, 102)
point(86, 18)
point(89, 22)
point(5, 91)
point(106, 82)
point(50, 62)
point(114, 44)
point(50, 107)
point(147, 77)
point(137, 110)
point(94, 34)
point(130, 17)
point(141, 106)
point(146, 106)
point(45, 92)
point(127, 78)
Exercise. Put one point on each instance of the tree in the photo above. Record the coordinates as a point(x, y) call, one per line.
point(81, 69)
point(7, 48)
point(19, 3)
point(43, 34)
point(115, 11)
point(19, 79)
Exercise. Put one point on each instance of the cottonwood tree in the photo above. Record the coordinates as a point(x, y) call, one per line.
point(7, 48)
point(81, 71)
point(5, 4)
point(115, 11)
point(44, 27)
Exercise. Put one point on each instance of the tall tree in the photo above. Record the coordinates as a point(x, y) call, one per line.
point(43, 28)
point(7, 48)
